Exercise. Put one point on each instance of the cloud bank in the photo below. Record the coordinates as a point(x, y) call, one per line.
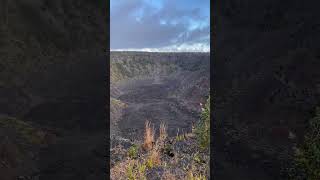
point(160, 25)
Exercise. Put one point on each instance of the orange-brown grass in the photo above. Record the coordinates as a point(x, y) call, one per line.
point(120, 170)
point(148, 136)
point(154, 158)
point(129, 169)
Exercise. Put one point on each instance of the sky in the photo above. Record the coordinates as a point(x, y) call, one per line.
point(160, 25)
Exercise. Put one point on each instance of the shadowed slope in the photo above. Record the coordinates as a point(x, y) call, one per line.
point(52, 79)
point(266, 76)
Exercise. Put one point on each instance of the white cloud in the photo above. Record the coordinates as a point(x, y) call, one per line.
point(195, 47)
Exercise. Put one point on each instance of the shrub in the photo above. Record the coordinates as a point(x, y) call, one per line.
point(168, 150)
point(308, 155)
point(149, 163)
point(203, 127)
point(131, 172)
point(142, 169)
point(135, 170)
point(197, 158)
point(133, 151)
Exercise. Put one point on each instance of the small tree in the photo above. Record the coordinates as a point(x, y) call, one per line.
point(203, 128)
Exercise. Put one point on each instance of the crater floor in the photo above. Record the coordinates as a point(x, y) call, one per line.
point(153, 101)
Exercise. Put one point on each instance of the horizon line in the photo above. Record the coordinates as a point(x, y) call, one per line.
point(158, 51)
point(161, 51)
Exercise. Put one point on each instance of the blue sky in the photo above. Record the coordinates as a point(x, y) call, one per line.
point(160, 25)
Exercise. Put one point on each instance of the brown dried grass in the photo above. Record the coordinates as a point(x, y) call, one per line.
point(155, 155)
point(154, 158)
point(119, 171)
point(148, 136)
point(163, 131)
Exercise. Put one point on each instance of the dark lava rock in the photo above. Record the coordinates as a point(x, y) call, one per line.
point(125, 143)
point(187, 146)
point(155, 173)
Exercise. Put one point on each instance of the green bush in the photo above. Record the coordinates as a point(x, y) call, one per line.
point(308, 155)
point(133, 151)
point(136, 170)
point(203, 127)
point(131, 172)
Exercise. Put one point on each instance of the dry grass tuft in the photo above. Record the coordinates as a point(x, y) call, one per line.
point(118, 171)
point(163, 131)
point(154, 159)
point(155, 156)
point(162, 137)
point(191, 175)
point(148, 136)
point(129, 169)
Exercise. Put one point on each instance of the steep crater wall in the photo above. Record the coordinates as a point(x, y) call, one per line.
point(46, 58)
point(52, 89)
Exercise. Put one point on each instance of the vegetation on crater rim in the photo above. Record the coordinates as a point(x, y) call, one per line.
point(182, 157)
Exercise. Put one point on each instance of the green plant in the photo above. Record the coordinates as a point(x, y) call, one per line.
point(202, 129)
point(149, 163)
point(142, 169)
point(308, 155)
point(197, 158)
point(131, 172)
point(168, 150)
point(136, 170)
point(179, 138)
point(133, 151)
